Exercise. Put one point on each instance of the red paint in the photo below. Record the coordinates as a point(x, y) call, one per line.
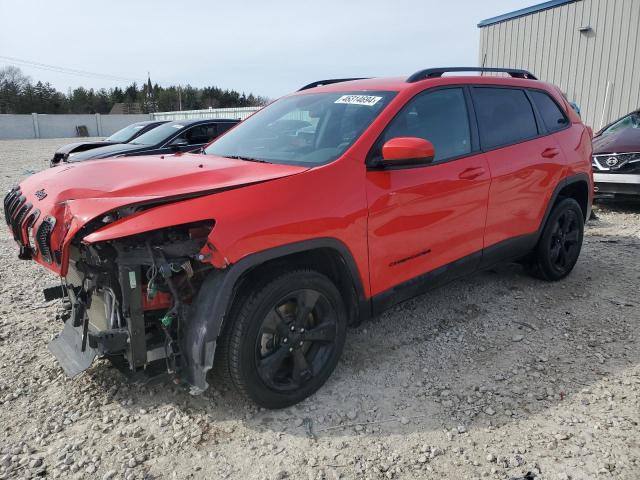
point(161, 300)
point(404, 148)
point(522, 182)
point(431, 215)
point(415, 209)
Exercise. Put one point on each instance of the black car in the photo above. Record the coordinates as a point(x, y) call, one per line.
point(171, 137)
point(124, 135)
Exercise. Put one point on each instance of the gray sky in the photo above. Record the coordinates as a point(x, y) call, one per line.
point(265, 47)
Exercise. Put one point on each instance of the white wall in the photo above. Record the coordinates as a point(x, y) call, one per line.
point(17, 126)
point(63, 126)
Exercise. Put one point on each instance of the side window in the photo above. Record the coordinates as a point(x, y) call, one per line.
point(440, 117)
point(223, 127)
point(200, 134)
point(552, 116)
point(505, 116)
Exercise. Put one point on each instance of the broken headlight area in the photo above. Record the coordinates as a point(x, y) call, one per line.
point(130, 298)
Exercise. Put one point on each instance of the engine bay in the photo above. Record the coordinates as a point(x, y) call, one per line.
point(130, 298)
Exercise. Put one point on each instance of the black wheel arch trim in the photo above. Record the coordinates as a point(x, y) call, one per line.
point(211, 305)
point(565, 182)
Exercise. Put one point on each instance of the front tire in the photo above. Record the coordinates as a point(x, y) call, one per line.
point(560, 243)
point(284, 339)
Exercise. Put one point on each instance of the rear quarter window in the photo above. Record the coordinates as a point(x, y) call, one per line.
point(505, 116)
point(552, 115)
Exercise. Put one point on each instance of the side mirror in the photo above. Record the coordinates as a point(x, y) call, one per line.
point(178, 143)
point(407, 151)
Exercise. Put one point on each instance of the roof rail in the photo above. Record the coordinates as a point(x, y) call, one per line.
point(438, 72)
point(319, 83)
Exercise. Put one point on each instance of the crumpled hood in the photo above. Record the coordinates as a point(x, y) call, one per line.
point(150, 177)
point(75, 194)
point(627, 140)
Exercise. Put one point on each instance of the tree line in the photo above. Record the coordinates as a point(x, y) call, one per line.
point(19, 94)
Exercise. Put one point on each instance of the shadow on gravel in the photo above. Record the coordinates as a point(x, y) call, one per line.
point(620, 206)
point(490, 349)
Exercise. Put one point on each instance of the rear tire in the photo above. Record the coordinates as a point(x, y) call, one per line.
point(560, 243)
point(284, 339)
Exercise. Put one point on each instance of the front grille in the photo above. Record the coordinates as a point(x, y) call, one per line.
point(43, 238)
point(10, 202)
point(27, 224)
point(617, 162)
point(16, 221)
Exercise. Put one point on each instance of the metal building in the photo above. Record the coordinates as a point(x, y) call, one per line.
point(589, 48)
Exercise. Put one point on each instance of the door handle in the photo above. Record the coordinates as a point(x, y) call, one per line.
point(550, 152)
point(471, 173)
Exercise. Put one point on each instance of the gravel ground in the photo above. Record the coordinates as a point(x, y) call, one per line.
point(493, 376)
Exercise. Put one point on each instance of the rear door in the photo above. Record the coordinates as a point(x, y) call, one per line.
point(430, 216)
point(525, 161)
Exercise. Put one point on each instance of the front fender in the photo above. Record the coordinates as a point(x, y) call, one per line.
point(216, 294)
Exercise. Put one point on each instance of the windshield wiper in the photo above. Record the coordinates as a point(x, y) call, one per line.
point(247, 159)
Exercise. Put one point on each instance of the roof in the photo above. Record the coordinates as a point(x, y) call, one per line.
point(400, 84)
point(195, 121)
point(149, 122)
point(374, 83)
point(415, 81)
point(524, 11)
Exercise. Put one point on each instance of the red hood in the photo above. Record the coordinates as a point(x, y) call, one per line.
point(150, 177)
point(77, 193)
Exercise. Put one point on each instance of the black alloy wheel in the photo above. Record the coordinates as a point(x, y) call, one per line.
point(560, 243)
point(296, 339)
point(564, 240)
point(285, 339)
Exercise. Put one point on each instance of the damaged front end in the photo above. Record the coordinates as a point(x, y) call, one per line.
point(131, 298)
point(131, 239)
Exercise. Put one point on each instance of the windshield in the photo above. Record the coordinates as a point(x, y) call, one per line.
point(630, 121)
point(310, 129)
point(124, 135)
point(158, 134)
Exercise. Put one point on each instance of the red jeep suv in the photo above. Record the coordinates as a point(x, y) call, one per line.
point(322, 209)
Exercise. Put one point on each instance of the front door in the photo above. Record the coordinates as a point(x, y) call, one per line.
point(423, 219)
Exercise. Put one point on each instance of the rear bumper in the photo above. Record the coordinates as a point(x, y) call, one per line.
point(613, 184)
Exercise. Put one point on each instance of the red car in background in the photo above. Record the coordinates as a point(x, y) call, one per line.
point(261, 250)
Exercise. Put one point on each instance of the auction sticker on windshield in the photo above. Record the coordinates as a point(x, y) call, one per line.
point(368, 100)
